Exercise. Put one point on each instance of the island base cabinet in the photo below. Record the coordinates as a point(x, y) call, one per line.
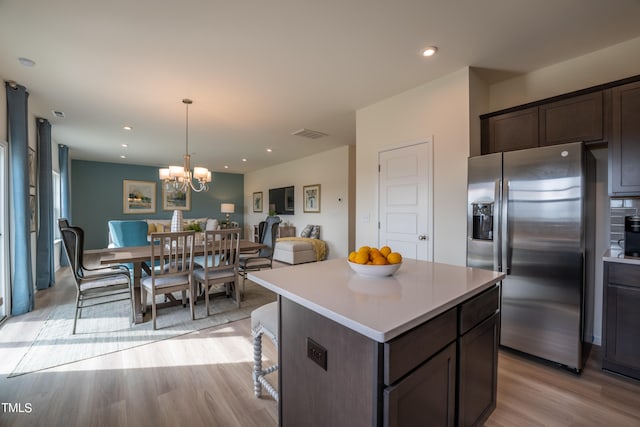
point(427, 396)
point(442, 372)
point(340, 393)
point(478, 372)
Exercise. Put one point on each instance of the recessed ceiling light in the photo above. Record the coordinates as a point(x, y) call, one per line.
point(124, 145)
point(269, 150)
point(244, 160)
point(58, 114)
point(429, 51)
point(123, 157)
point(26, 62)
point(127, 127)
point(226, 166)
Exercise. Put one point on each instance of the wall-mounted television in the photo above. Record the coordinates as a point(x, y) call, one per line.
point(281, 201)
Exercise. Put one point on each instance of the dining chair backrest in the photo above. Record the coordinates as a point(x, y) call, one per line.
point(270, 234)
point(262, 225)
point(173, 251)
point(222, 249)
point(72, 242)
point(63, 223)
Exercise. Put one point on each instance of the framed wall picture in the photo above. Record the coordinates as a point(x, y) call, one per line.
point(257, 201)
point(175, 199)
point(311, 198)
point(32, 214)
point(138, 197)
point(32, 167)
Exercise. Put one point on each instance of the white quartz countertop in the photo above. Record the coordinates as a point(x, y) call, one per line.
point(379, 308)
point(614, 255)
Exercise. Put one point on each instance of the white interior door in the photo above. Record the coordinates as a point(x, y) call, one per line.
point(4, 229)
point(406, 200)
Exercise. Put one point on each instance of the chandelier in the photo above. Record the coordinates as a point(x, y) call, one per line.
point(181, 177)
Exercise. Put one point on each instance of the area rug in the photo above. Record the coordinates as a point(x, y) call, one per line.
point(106, 328)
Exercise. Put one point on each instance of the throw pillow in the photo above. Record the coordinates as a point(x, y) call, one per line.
point(151, 228)
point(306, 232)
point(315, 232)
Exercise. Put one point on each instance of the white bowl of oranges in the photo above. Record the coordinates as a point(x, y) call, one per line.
point(374, 262)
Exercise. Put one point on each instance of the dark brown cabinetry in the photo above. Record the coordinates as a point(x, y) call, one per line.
point(569, 119)
point(478, 358)
point(427, 396)
point(513, 131)
point(606, 113)
point(440, 373)
point(624, 147)
point(420, 375)
point(579, 118)
point(621, 303)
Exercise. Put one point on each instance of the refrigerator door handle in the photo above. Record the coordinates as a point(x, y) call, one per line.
point(497, 214)
point(505, 237)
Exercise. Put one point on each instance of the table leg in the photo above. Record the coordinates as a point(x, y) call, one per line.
point(137, 300)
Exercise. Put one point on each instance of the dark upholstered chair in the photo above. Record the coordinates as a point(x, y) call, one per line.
point(98, 285)
point(264, 258)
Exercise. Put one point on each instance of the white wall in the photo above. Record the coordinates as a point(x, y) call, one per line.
point(331, 170)
point(599, 67)
point(439, 109)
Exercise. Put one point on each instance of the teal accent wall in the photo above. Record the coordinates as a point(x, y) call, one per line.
point(96, 197)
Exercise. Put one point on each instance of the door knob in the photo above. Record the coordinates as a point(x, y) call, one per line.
point(422, 237)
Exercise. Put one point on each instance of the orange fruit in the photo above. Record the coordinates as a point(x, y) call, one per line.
point(361, 258)
point(385, 250)
point(352, 256)
point(394, 258)
point(374, 253)
point(364, 249)
point(379, 260)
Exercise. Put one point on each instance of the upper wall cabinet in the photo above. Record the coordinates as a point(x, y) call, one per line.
point(513, 131)
point(570, 119)
point(624, 147)
point(578, 118)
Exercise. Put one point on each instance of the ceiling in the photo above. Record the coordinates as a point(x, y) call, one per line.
point(258, 71)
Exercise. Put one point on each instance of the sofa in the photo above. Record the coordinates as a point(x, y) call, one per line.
point(152, 225)
point(299, 250)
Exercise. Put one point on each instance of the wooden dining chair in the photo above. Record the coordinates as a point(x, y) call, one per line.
point(220, 263)
point(172, 256)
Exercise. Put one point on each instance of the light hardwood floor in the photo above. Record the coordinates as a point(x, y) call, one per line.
point(204, 379)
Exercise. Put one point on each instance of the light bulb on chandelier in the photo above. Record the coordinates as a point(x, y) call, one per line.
point(181, 177)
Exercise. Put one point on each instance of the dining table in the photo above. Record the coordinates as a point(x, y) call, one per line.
point(139, 257)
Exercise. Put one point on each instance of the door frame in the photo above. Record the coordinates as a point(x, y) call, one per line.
point(430, 173)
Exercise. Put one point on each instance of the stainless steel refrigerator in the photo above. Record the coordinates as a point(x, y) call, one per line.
point(531, 215)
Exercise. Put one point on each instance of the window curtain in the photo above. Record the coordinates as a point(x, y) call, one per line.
point(65, 199)
point(22, 279)
point(45, 267)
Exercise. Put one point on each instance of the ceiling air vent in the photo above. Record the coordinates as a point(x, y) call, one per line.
point(308, 133)
point(58, 114)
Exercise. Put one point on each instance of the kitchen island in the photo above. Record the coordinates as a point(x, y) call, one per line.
point(416, 348)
